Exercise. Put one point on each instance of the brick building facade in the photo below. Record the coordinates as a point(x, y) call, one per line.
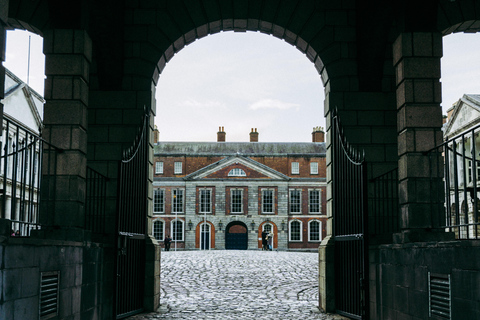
point(223, 195)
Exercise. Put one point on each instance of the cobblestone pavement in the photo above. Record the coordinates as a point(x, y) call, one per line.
point(230, 284)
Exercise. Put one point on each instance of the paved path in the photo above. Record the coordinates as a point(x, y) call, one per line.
point(230, 284)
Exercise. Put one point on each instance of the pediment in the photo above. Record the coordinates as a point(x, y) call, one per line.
point(465, 116)
point(251, 168)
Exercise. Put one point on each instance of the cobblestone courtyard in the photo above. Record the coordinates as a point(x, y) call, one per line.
point(238, 285)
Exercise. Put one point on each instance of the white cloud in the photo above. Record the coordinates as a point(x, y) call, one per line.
point(273, 104)
point(193, 103)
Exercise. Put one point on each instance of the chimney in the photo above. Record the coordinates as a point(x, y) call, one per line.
point(156, 135)
point(254, 135)
point(318, 135)
point(221, 135)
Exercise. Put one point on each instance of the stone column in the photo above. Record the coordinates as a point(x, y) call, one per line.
point(419, 120)
point(67, 62)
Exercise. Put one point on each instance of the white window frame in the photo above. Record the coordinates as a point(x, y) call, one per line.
point(172, 230)
point(162, 209)
point(200, 200)
point(241, 201)
point(263, 190)
point(290, 230)
point(177, 167)
point(237, 172)
point(174, 196)
point(290, 201)
point(159, 167)
point(319, 230)
point(313, 167)
point(319, 201)
point(295, 167)
point(163, 229)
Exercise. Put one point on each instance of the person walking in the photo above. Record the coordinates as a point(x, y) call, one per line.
point(167, 241)
point(270, 241)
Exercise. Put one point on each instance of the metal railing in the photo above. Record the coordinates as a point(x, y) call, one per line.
point(459, 157)
point(95, 201)
point(24, 155)
point(384, 205)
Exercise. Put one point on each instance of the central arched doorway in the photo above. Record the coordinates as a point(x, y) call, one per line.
point(236, 236)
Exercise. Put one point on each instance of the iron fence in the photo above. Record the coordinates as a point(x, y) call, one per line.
point(459, 158)
point(384, 205)
point(95, 201)
point(24, 155)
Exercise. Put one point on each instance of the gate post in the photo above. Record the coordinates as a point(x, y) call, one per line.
point(419, 121)
point(326, 274)
point(67, 62)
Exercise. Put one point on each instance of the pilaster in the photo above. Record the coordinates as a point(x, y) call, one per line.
point(67, 62)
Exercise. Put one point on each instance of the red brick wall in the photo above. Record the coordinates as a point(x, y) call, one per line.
point(281, 164)
point(304, 200)
point(168, 199)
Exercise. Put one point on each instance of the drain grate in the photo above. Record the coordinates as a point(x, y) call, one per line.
point(49, 284)
point(440, 295)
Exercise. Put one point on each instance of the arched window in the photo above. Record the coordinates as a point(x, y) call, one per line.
point(237, 172)
point(158, 230)
point(315, 230)
point(295, 230)
point(176, 229)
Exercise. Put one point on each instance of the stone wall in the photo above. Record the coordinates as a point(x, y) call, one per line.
point(399, 287)
point(83, 285)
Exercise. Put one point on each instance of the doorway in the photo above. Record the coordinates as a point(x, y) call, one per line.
point(236, 236)
point(205, 237)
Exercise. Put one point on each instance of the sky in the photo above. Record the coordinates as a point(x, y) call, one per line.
point(248, 80)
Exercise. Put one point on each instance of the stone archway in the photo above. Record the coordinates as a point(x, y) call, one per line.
point(236, 236)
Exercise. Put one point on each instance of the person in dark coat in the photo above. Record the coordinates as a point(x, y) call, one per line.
point(167, 242)
point(264, 240)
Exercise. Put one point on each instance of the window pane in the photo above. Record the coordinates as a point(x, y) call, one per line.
point(237, 200)
point(314, 231)
point(158, 230)
point(314, 198)
point(295, 168)
point(159, 167)
point(267, 197)
point(158, 200)
point(205, 201)
point(177, 227)
point(178, 168)
point(177, 200)
point(267, 227)
point(295, 231)
point(295, 201)
point(314, 168)
point(237, 172)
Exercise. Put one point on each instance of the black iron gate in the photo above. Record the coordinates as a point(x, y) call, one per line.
point(349, 196)
point(131, 226)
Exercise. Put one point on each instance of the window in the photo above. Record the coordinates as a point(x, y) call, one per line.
point(314, 201)
point(177, 230)
point(295, 229)
point(295, 201)
point(267, 227)
point(314, 230)
point(236, 201)
point(267, 201)
point(237, 172)
point(158, 167)
point(205, 200)
point(158, 230)
point(158, 200)
point(313, 167)
point(470, 170)
point(177, 168)
point(177, 205)
point(295, 168)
